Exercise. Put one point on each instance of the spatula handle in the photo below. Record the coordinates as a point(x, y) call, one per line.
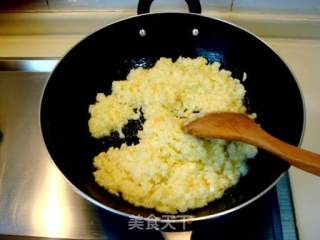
point(297, 157)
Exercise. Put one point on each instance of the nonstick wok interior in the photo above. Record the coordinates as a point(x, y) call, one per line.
point(110, 53)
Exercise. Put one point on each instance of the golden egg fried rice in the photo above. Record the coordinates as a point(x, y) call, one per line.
point(169, 170)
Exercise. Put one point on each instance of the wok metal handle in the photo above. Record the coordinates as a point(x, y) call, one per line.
point(144, 6)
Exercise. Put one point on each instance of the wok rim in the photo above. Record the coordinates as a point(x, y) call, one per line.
point(161, 220)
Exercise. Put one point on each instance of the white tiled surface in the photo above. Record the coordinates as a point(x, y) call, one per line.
point(157, 5)
point(92, 4)
point(23, 5)
point(312, 6)
point(296, 6)
point(303, 56)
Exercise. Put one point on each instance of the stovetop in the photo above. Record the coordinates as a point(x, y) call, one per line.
point(35, 199)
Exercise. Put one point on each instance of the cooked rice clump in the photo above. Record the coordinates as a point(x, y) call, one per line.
point(169, 170)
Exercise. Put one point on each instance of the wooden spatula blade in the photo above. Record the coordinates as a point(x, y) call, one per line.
point(239, 127)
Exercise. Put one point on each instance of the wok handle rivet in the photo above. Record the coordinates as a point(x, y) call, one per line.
point(195, 32)
point(142, 32)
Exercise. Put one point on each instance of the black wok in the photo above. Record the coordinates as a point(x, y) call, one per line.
point(108, 54)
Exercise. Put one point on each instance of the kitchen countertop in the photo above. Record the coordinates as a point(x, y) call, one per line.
point(303, 57)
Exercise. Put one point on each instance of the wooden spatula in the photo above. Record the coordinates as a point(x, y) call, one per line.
point(239, 127)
